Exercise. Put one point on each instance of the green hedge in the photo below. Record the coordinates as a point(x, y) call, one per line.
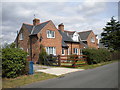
point(14, 62)
point(97, 55)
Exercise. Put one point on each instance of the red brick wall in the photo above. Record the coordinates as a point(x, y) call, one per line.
point(73, 45)
point(51, 42)
point(25, 42)
point(91, 44)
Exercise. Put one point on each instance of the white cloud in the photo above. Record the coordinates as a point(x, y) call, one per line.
point(77, 16)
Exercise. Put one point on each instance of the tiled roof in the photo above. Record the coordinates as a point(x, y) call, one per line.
point(65, 37)
point(64, 44)
point(35, 29)
point(69, 32)
point(29, 27)
point(38, 28)
point(84, 35)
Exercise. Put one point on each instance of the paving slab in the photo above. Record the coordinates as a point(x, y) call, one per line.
point(58, 70)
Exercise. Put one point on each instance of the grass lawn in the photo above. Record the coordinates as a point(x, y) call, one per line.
point(26, 79)
point(95, 65)
point(85, 66)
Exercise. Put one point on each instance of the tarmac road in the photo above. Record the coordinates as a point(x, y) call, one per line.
point(101, 77)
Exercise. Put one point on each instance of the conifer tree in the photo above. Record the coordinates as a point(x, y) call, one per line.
point(111, 34)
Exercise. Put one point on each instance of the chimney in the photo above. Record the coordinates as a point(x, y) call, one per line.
point(61, 27)
point(36, 21)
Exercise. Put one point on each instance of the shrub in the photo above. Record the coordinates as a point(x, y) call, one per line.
point(115, 55)
point(96, 55)
point(13, 62)
point(42, 55)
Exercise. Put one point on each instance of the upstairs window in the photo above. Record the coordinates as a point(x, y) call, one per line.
point(21, 36)
point(76, 51)
point(50, 34)
point(92, 39)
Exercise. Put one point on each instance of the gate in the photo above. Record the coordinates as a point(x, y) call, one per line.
point(72, 60)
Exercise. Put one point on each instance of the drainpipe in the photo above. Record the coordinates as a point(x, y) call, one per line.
point(71, 47)
point(30, 47)
point(17, 40)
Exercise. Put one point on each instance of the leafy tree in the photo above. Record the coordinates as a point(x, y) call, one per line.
point(111, 35)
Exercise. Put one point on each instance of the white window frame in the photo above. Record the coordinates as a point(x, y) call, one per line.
point(50, 34)
point(81, 52)
point(21, 36)
point(92, 39)
point(63, 51)
point(51, 50)
point(76, 51)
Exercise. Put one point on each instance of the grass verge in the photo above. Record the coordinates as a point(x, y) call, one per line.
point(26, 79)
point(96, 65)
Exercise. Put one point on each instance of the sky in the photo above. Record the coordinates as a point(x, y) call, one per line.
point(75, 15)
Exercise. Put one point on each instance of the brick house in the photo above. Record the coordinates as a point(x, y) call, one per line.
point(56, 41)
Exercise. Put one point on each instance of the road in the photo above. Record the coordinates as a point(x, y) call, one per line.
point(101, 77)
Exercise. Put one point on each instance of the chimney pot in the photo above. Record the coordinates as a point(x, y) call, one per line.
point(36, 21)
point(61, 27)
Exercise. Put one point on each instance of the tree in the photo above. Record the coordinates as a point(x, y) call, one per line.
point(111, 35)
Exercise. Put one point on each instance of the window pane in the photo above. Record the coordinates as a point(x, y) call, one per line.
point(62, 50)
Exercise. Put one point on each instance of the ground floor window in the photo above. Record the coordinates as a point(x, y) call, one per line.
point(81, 52)
point(51, 50)
point(76, 51)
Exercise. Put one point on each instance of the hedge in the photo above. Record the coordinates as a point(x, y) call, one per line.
point(97, 55)
point(14, 62)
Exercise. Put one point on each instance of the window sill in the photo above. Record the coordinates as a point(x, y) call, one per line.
point(50, 37)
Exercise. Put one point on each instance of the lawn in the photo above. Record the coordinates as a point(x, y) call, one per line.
point(86, 66)
point(95, 65)
point(26, 79)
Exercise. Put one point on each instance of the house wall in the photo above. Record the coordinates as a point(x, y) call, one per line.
point(71, 48)
point(92, 44)
point(35, 48)
point(51, 42)
point(25, 42)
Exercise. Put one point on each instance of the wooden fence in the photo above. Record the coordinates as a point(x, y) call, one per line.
point(72, 61)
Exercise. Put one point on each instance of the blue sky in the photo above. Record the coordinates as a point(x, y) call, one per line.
point(76, 16)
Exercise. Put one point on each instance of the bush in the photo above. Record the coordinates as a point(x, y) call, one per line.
point(13, 62)
point(115, 55)
point(96, 55)
point(42, 55)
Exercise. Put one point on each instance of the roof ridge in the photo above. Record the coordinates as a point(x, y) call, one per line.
point(84, 31)
point(38, 23)
point(69, 31)
point(28, 24)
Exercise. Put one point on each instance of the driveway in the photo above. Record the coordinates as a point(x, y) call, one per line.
point(101, 77)
point(55, 70)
